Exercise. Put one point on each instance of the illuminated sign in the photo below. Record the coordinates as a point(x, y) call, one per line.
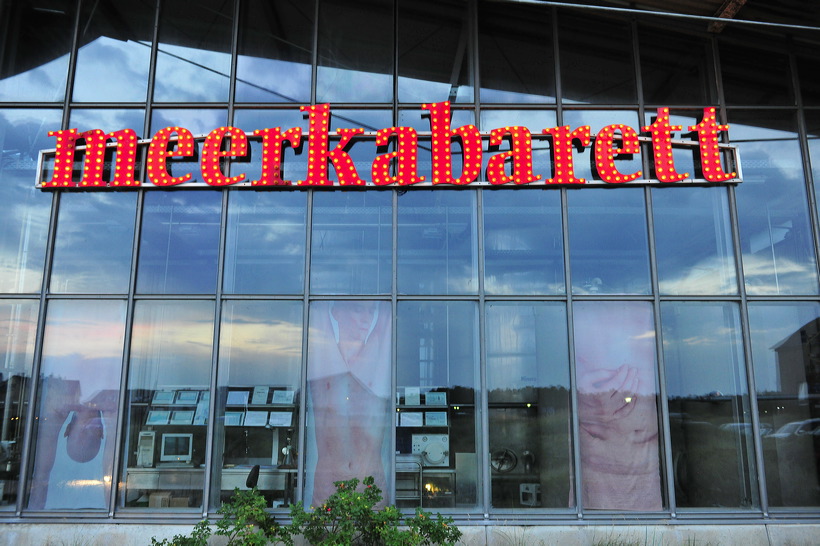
point(110, 160)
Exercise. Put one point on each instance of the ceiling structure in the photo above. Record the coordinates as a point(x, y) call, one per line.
point(805, 13)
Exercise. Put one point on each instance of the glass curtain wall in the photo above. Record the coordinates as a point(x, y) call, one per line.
point(540, 351)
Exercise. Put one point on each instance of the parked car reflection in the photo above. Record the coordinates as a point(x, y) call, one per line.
point(746, 428)
point(798, 428)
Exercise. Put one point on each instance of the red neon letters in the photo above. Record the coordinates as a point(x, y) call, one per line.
point(397, 167)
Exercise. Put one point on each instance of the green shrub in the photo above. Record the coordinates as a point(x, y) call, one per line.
point(348, 517)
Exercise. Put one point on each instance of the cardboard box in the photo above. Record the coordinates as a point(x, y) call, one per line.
point(160, 499)
point(180, 502)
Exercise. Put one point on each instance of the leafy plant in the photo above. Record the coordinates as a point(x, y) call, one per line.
point(348, 517)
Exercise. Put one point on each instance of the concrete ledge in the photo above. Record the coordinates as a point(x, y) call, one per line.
point(129, 534)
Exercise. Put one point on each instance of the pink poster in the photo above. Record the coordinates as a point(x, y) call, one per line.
point(617, 405)
point(349, 394)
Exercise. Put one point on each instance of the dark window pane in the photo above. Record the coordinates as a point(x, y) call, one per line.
point(275, 51)
point(355, 51)
point(34, 50)
point(179, 243)
point(596, 60)
point(260, 355)
point(609, 253)
point(78, 407)
point(808, 63)
point(437, 251)
point(712, 442)
point(523, 243)
point(18, 326)
point(92, 250)
point(115, 51)
point(528, 389)
point(437, 365)
point(168, 400)
point(352, 243)
point(434, 52)
point(813, 137)
point(24, 225)
point(507, 74)
point(265, 247)
point(194, 51)
point(349, 401)
point(784, 342)
point(693, 241)
point(676, 68)
point(775, 232)
point(617, 405)
point(752, 76)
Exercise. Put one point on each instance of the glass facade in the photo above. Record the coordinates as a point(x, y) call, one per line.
point(546, 352)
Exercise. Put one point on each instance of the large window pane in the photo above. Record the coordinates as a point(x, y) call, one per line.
point(693, 241)
point(168, 400)
point(608, 247)
point(260, 356)
point(676, 68)
point(775, 232)
point(78, 405)
point(18, 327)
point(709, 414)
point(275, 51)
point(507, 75)
point(529, 413)
point(355, 65)
point(754, 76)
point(349, 403)
point(523, 243)
point(596, 59)
point(617, 405)
point(434, 52)
point(784, 348)
point(437, 448)
point(92, 250)
point(352, 242)
point(179, 243)
point(115, 51)
point(194, 51)
point(437, 242)
point(34, 50)
point(24, 223)
point(265, 246)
